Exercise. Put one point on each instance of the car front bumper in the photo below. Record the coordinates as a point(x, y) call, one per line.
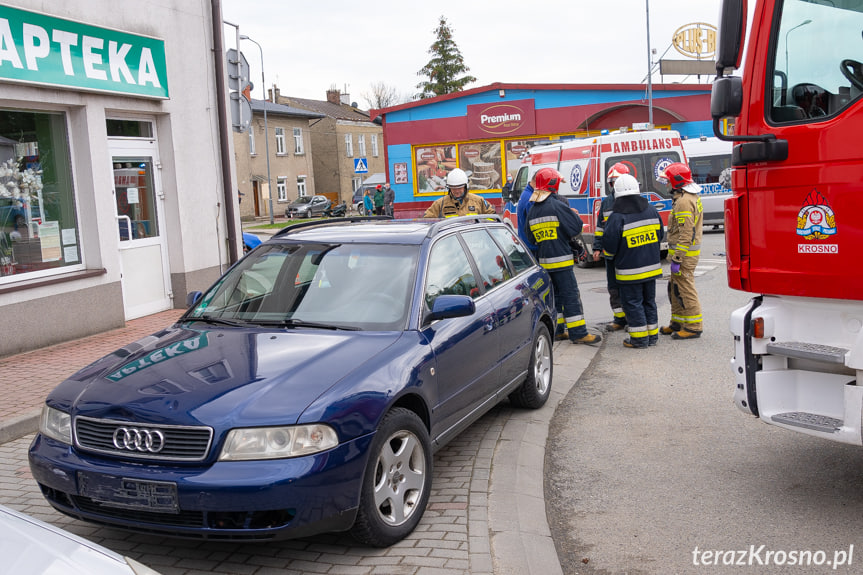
point(226, 500)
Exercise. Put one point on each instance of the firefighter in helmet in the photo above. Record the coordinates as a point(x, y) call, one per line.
point(458, 201)
point(684, 250)
point(619, 321)
point(552, 224)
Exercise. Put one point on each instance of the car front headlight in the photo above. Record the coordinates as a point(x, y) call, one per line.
point(277, 442)
point(55, 424)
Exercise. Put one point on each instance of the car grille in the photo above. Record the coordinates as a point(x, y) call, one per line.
point(181, 443)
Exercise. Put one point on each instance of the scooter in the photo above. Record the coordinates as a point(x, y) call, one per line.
point(336, 212)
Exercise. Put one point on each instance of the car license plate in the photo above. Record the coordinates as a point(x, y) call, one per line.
point(128, 493)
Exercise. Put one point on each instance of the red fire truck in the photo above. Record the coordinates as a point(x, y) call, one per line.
point(794, 229)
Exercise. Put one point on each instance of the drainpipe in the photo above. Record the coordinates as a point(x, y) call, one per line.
point(224, 131)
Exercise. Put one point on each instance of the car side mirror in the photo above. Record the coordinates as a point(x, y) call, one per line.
point(446, 306)
point(726, 97)
point(193, 297)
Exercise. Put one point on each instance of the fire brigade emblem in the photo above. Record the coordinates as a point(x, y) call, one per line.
point(816, 220)
point(575, 178)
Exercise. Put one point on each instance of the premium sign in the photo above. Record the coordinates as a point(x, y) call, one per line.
point(40, 49)
point(501, 119)
point(697, 40)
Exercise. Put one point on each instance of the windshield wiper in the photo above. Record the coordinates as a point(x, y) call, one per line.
point(218, 320)
point(303, 323)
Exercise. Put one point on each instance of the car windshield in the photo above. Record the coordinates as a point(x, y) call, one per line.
point(302, 200)
point(320, 286)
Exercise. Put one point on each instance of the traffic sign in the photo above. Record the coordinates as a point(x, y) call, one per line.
point(360, 166)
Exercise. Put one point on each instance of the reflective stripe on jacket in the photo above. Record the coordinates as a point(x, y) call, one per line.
point(632, 239)
point(685, 227)
point(552, 224)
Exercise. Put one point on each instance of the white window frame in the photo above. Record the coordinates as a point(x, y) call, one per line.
point(280, 142)
point(356, 183)
point(301, 187)
point(375, 152)
point(282, 188)
point(349, 145)
point(298, 141)
point(361, 145)
point(252, 151)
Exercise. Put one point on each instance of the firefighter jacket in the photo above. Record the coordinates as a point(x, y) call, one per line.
point(605, 209)
point(447, 207)
point(632, 238)
point(684, 227)
point(552, 225)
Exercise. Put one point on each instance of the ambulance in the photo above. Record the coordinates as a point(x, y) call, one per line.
point(584, 162)
point(708, 158)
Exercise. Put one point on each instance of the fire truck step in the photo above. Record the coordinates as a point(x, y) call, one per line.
point(813, 351)
point(809, 421)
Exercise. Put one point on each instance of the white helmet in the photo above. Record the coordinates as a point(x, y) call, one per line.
point(626, 185)
point(456, 178)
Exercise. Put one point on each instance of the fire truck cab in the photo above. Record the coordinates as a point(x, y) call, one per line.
point(583, 163)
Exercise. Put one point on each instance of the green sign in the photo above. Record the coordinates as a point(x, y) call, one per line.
point(40, 49)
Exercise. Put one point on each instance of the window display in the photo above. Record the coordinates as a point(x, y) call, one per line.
point(38, 220)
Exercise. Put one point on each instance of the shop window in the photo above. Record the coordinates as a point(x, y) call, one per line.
point(129, 129)
point(38, 220)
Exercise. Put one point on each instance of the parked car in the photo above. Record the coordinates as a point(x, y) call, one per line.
point(34, 547)
point(357, 202)
point(307, 390)
point(307, 206)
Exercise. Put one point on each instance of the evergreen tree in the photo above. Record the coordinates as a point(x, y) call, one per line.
point(444, 67)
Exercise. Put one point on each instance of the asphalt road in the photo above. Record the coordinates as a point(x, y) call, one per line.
point(650, 468)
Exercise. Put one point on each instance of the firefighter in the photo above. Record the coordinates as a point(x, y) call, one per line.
point(458, 202)
point(684, 249)
point(553, 224)
point(631, 243)
point(619, 321)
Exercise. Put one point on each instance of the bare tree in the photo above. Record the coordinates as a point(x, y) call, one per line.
point(381, 96)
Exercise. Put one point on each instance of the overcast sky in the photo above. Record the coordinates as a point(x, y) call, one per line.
point(310, 46)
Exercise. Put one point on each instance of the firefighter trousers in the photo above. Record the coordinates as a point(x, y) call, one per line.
point(685, 306)
point(567, 300)
point(614, 294)
point(639, 303)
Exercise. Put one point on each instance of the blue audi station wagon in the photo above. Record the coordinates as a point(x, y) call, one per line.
point(307, 390)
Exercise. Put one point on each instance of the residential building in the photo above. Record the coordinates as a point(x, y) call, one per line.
point(290, 170)
point(343, 139)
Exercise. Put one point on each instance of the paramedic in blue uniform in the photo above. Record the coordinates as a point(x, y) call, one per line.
point(553, 225)
point(632, 239)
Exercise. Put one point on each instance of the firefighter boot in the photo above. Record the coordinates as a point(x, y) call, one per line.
point(670, 328)
point(685, 334)
point(615, 325)
point(589, 339)
point(635, 342)
point(561, 336)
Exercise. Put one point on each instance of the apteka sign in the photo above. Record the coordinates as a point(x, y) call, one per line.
point(515, 118)
point(40, 49)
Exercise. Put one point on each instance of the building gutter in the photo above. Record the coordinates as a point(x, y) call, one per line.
point(224, 132)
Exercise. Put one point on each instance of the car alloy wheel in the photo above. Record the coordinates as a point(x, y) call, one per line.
point(534, 392)
point(397, 481)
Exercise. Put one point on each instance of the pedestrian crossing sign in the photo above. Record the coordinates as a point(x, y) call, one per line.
point(360, 166)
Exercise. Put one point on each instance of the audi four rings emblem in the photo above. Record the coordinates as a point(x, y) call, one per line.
point(143, 440)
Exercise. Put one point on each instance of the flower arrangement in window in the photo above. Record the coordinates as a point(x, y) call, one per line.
point(17, 183)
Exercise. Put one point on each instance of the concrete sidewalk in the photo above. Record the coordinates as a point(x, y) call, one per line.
point(503, 505)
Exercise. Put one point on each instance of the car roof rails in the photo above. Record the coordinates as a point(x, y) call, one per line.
point(440, 225)
point(328, 222)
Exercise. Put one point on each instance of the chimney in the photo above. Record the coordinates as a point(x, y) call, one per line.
point(333, 96)
point(278, 94)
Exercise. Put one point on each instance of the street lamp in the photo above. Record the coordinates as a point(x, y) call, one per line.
point(266, 129)
point(804, 23)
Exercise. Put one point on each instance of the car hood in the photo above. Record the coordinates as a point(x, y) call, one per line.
point(187, 375)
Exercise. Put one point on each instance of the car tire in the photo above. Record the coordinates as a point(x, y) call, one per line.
point(397, 481)
point(534, 391)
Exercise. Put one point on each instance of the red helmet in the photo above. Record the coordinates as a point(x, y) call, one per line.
point(678, 175)
point(616, 171)
point(548, 179)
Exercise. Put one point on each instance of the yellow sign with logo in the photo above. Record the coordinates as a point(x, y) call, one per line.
point(696, 40)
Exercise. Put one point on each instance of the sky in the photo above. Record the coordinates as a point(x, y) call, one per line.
point(310, 47)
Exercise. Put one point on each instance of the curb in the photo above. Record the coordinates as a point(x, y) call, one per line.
point(19, 426)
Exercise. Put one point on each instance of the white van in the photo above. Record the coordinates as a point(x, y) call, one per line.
point(707, 158)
